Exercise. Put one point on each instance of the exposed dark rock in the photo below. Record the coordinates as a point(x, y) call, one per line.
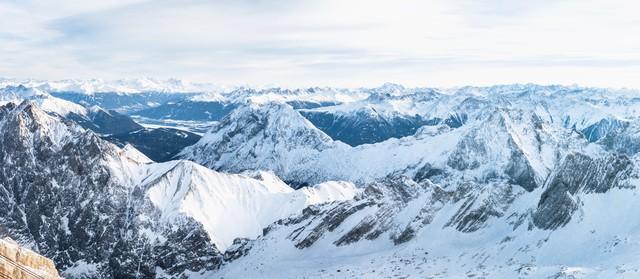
point(330, 222)
point(520, 171)
point(60, 196)
point(578, 173)
point(363, 228)
point(105, 122)
point(406, 235)
point(604, 128)
point(427, 172)
point(469, 153)
point(240, 247)
point(615, 135)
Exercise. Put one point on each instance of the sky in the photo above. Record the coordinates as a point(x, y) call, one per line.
point(438, 43)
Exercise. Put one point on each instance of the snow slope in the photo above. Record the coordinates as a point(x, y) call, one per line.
point(17, 94)
point(411, 230)
point(233, 206)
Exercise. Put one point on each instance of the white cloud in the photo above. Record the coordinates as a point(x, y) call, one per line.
point(332, 42)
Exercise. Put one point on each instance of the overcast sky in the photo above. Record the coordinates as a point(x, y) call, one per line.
point(325, 42)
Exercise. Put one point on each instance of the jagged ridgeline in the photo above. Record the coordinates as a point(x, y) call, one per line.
point(495, 182)
point(99, 211)
point(81, 202)
point(526, 170)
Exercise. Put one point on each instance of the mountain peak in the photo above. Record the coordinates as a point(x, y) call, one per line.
point(283, 137)
point(207, 196)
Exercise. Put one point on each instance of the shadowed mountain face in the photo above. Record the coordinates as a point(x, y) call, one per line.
point(160, 144)
point(121, 102)
point(188, 110)
point(105, 122)
point(365, 127)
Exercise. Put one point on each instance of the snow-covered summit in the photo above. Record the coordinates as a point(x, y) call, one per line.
point(261, 137)
point(231, 206)
point(17, 94)
point(518, 144)
point(133, 85)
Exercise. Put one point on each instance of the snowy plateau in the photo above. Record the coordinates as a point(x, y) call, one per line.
point(145, 178)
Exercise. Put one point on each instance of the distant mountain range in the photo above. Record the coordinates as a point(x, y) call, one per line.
point(506, 181)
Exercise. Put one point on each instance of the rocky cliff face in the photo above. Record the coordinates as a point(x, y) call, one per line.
point(20, 263)
point(396, 209)
point(74, 198)
point(579, 173)
point(99, 211)
point(493, 229)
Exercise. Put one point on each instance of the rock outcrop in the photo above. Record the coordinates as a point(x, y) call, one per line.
point(21, 263)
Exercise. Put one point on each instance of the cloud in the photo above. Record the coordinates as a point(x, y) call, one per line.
point(331, 42)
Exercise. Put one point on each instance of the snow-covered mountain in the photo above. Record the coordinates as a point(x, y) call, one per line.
point(94, 118)
point(371, 115)
point(234, 206)
point(16, 94)
point(160, 144)
point(394, 112)
point(214, 106)
point(568, 228)
point(104, 122)
point(506, 181)
point(75, 198)
point(384, 114)
point(530, 170)
point(100, 211)
point(264, 137)
point(503, 142)
point(133, 85)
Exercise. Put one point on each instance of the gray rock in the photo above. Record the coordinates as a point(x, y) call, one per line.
point(59, 197)
point(578, 173)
